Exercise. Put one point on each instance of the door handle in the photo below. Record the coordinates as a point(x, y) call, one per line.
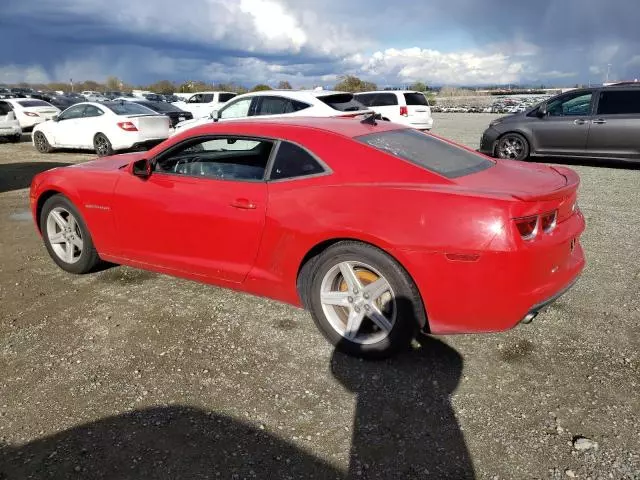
point(599, 121)
point(243, 203)
point(579, 121)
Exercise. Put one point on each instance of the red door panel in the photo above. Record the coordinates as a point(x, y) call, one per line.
point(203, 226)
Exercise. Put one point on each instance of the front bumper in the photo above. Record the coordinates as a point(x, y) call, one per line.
point(488, 141)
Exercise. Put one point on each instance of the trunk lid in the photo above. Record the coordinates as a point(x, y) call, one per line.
point(151, 127)
point(46, 112)
point(526, 181)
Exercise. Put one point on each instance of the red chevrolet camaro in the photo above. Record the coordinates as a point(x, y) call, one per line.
point(377, 229)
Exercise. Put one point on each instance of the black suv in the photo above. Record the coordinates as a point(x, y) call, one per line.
point(598, 122)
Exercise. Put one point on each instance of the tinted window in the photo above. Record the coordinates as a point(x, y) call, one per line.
point(574, 105)
point(293, 161)
point(428, 152)
point(415, 99)
point(128, 108)
point(274, 106)
point(385, 100)
point(239, 109)
point(92, 111)
point(72, 112)
point(619, 103)
point(162, 107)
point(343, 102)
point(33, 103)
point(221, 158)
point(225, 97)
point(4, 108)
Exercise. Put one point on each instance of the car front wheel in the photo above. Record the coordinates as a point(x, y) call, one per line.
point(362, 300)
point(66, 236)
point(41, 142)
point(513, 146)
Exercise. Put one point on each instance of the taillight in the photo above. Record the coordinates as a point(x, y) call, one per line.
point(404, 111)
point(31, 114)
point(527, 226)
point(128, 126)
point(549, 221)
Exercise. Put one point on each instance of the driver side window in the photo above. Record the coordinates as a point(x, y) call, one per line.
point(238, 109)
point(577, 105)
point(72, 112)
point(218, 158)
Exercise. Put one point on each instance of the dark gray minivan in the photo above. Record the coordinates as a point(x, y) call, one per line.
point(599, 123)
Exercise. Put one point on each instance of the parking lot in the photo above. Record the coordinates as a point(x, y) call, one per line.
point(129, 374)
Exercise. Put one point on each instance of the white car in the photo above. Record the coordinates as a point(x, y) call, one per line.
point(405, 107)
point(96, 97)
point(278, 103)
point(30, 111)
point(9, 125)
point(201, 104)
point(103, 127)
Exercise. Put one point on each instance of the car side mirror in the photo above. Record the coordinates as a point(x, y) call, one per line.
point(214, 115)
point(542, 110)
point(55, 118)
point(141, 168)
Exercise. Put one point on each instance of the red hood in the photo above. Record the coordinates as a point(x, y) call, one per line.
point(523, 180)
point(111, 163)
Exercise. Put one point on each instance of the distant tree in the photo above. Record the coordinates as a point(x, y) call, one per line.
point(261, 87)
point(350, 83)
point(113, 83)
point(57, 86)
point(89, 85)
point(419, 87)
point(284, 85)
point(163, 87)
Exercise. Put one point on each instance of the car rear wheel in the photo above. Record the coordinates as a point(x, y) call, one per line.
point(102, 145)
point(41, 143)
point(362, 300)
point(66, 236)
point(513, 146)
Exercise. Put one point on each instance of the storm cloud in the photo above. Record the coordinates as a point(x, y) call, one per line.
point(309, 42)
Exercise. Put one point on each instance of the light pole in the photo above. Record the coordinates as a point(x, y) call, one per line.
point(608, 70)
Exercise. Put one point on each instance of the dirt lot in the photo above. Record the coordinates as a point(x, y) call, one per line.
point(128, 374)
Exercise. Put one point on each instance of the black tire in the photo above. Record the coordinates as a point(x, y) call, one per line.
point(41, 143)
point(88, 258)
point(16, 138)
point(409, 309)
point(102, 145)
point(513, 146)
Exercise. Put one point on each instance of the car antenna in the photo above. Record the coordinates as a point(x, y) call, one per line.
point(371, 119)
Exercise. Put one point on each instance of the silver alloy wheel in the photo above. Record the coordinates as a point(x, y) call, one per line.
point(511, 147)
point(41, 141)
point(101, 145)
point(64, 234)
point(358, 302)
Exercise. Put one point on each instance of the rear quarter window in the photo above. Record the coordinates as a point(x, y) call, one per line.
point(378, 99)
point(343, 102)
point(427, 152)
point(225, 97)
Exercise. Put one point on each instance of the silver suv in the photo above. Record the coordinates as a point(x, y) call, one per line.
point(599, 123)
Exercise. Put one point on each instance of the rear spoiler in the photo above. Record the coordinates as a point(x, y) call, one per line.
point(572, 183)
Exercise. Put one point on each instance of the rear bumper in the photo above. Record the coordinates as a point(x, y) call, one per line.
point(10, 131)
point(539, 307)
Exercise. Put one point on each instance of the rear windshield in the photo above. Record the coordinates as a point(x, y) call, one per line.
point(225, 97)
point(160, 106)
point(127, 108)
point(33, 103)
point(428, 152)
point(343, 102)
point(415, 99)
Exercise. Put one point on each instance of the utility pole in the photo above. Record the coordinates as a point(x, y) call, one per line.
point(608, 71)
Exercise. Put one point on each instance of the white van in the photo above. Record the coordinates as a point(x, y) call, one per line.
point(202, 104)
point(406, 107)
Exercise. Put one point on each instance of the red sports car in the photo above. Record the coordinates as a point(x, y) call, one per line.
point(377, 229)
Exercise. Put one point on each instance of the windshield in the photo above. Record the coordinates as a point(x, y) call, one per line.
point(428, 152)
point(128, 108)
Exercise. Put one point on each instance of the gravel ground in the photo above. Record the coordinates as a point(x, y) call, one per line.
point(129, 374)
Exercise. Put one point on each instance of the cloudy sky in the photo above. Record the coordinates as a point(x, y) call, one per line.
point(311, 42)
